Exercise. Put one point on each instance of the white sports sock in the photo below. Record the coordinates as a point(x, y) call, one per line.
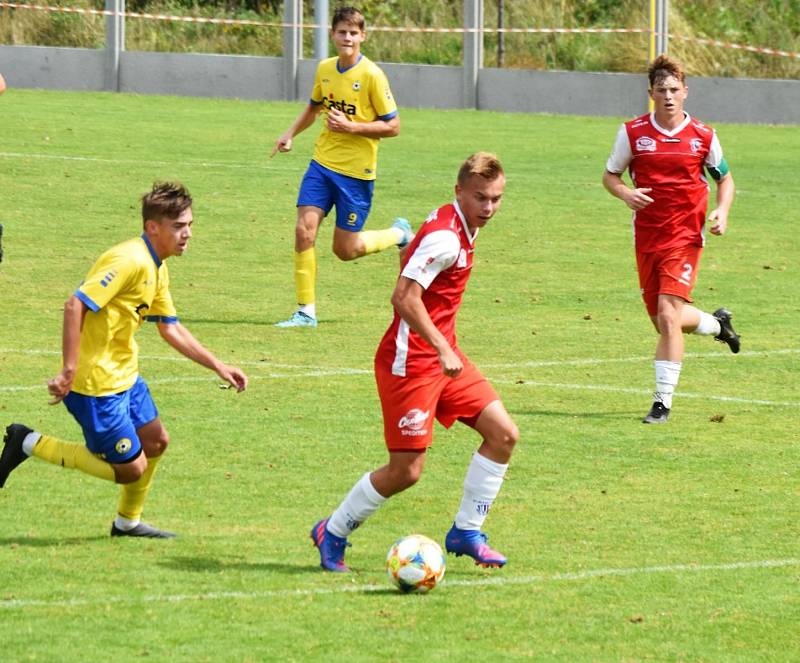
point(667, 374)
point(709, 325)
point(481, 486)
point(361, 502)
point(125, 524)
point(309, 309)
point(30, 442)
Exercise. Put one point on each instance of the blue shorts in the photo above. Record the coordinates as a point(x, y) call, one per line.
point(324, 188)
point(110, 423)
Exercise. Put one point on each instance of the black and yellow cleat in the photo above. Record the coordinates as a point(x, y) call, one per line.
point(142, 530)
point(12, 454)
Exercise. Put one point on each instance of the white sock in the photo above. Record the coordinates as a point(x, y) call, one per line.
point(309, 309)
point(709, 325)
point(481, 486)
point(667, 374)
point(361, 502)
point(30, 442)
point(125, 524)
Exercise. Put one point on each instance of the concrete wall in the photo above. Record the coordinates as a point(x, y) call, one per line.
point(415, 86)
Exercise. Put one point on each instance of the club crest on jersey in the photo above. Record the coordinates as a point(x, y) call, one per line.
point(413, 422)
point(357, 86)
point(462, 259)
point(645, 144)
point(695, 144)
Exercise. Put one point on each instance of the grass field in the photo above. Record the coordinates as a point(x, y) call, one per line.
point(626, 542)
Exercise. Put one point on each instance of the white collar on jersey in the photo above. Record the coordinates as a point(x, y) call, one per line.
point(470, 236)
point(667, 132)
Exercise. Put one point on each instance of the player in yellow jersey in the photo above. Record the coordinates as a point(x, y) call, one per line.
point(354, 95)
point(99, 381)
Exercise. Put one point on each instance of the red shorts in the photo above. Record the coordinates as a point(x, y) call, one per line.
point(410, 404)
point(670, 272)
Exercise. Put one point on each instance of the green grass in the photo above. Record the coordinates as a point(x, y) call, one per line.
point(626, 543)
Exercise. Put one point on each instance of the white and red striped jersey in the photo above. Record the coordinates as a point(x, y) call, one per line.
point(671, 164)
point(439, 258)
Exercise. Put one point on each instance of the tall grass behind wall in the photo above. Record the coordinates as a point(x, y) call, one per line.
point(774, 24)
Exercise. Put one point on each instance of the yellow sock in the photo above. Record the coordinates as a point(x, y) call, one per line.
point(133, 495)
point(378, 240)
point(73, 457)
point(305, 275)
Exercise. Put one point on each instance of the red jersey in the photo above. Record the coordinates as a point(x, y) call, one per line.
point(439, 258)
point(671, 164)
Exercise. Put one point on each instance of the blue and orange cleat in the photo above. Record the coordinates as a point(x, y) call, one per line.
point(472, 543)
point(331, 548)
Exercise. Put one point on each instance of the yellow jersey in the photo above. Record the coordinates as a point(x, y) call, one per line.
point(126, 285)
point(361, 92)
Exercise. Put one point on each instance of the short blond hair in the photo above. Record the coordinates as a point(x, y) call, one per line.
point(485, 164)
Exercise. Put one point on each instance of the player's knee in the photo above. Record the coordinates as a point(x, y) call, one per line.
point(406, 477)
point(156, 444)
point(347, 251)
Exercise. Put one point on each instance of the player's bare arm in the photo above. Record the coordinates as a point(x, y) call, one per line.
point(303, 121)
point(180, 338)
point(74, 313)
point(407, 300)
point(636, 199)
point(719, 216)
point(339, 122)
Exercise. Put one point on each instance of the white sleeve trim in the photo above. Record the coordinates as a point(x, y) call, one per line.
point(435, 253)
point(714, 157)
point(621, 154)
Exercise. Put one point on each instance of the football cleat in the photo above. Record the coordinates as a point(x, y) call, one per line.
point(298, 319)
point(473, 544)
point(726, 333)
point(404, 227)
point(142, 530)
point(658, 414)
point(331, 548)
point(12, 454)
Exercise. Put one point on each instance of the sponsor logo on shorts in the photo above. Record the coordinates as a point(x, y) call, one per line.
point(123, 446)
point(413, 422)
point(645, 144)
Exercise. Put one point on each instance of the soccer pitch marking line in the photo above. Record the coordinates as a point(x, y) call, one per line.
point(304, 371)
point(497, 581)
point(139, 162)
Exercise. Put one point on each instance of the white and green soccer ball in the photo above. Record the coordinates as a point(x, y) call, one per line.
point(415, 563)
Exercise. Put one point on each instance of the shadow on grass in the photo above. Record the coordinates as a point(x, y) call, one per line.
point(213, 565)
point(38, 542)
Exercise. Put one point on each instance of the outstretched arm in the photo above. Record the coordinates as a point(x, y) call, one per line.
point(407, 299)
point(74, 313)
point(182, 340)
point(303, 121)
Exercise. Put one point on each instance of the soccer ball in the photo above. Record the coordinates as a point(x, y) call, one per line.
point(415, 563)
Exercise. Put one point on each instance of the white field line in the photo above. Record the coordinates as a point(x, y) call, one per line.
point(495, 581)
point(139, 162)
point(302, 371)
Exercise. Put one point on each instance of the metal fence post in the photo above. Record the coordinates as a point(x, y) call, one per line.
point(321, 32)
point(292, 46)
point(115, 42)
point(662, 26)
point(473, 50)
